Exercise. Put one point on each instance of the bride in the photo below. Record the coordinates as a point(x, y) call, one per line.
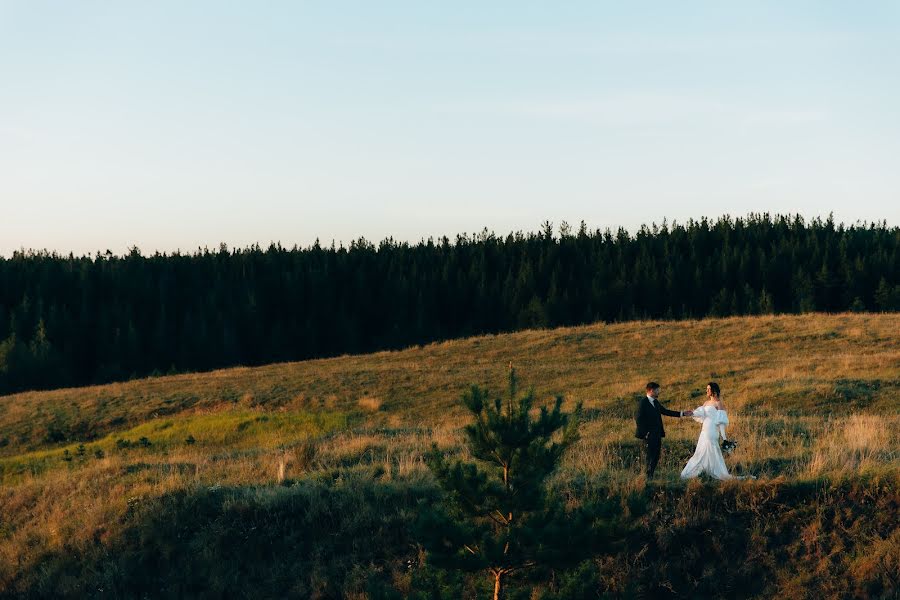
point(708, 457)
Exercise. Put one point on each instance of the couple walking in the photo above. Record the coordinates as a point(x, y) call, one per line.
point(707, 457)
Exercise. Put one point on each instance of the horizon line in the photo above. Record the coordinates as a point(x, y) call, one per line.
point(556, 232)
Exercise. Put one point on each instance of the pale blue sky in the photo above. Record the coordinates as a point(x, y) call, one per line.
point(181, 124)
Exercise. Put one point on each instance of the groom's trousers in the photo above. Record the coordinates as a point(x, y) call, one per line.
point(654, 445)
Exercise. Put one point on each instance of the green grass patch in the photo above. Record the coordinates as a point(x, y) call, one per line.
point(236, 430)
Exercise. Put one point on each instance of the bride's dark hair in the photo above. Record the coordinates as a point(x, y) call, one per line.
point(715, 388)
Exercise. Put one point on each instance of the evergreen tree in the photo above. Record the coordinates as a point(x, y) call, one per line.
point(766, 304)
point(6, 347)
point(67, 320)
point(497, 516)
point(887, 298)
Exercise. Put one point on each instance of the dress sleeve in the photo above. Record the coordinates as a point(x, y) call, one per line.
point(722, 418)
point(700, 414)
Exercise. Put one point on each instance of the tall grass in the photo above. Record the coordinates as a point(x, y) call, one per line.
point(812, 401)
point(807, 364)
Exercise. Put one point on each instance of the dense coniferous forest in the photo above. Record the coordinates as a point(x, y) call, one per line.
point(67, 320)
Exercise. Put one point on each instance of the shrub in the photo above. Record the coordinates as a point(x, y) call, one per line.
point(496, 516)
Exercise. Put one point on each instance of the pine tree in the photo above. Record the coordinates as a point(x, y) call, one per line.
point(766, 304)
point(887, 298)
point(67, 320)
point(497, 517)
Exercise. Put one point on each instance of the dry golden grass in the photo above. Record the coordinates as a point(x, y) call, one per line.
point(808, 364)
point(809, 396)
point(370, 404)
point(856, 444)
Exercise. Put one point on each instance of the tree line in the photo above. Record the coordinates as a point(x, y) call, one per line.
point(76, 320)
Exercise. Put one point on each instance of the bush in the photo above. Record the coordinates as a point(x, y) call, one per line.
point(496, 516)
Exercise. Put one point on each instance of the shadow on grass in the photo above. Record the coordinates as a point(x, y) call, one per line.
point(342, 533)
point(316, 538)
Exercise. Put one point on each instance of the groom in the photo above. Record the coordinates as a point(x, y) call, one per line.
point(648, 417)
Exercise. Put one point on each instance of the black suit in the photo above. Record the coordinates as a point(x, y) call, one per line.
point(648, 418)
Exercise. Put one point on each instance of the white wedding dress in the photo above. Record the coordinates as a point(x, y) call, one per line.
point(708, 457)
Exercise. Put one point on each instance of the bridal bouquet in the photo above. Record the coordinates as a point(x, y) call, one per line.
point(728, 446)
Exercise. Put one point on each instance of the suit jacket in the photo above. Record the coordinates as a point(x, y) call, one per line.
point(648, 418)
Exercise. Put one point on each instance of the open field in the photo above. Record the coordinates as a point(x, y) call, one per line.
point(314, 468)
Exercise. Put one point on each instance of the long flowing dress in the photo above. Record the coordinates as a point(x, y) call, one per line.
point(708, 457)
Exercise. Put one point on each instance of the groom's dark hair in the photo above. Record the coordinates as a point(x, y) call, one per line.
point(652, 386)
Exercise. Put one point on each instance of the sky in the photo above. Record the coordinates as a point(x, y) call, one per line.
point(178, 125)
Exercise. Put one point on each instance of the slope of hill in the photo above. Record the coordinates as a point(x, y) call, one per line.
point(302, 478)
point(809, 364)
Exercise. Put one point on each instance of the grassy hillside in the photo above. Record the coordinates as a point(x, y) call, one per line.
point(302, 478)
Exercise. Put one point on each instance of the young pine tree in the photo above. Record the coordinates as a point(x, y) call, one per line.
point(497, 516)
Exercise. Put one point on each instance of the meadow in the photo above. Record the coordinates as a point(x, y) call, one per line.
point(301, 479)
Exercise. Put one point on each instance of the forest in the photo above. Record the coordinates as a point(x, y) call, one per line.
point(69, 320)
